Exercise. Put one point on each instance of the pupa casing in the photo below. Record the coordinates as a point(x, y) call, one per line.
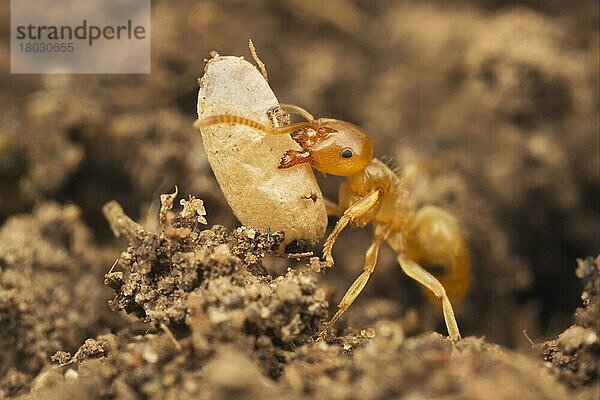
point(245, 160)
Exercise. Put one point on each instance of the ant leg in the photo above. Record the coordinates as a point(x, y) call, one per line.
point(414, 171)
point(381, 234)
point(362, 206)
point(410, 174)
point(416, 272)
point(293, 109)
point(332, 208)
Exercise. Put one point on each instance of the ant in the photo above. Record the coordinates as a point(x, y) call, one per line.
point(429, 238)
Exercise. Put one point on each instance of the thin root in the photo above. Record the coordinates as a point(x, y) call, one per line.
point(298, 256)
point(261, 65)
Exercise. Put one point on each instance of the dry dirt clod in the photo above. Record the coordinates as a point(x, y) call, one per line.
point(575, 353)
point(209, 285)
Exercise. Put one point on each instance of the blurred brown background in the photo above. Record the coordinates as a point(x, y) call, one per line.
point(500, 98)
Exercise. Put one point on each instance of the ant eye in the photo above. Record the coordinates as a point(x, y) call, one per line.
point(347, 153)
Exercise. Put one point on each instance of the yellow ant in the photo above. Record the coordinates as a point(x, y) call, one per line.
point(430, 237)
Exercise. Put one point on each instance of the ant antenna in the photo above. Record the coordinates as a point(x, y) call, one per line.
point(237, 120)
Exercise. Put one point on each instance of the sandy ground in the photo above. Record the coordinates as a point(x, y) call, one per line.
point(499, 99)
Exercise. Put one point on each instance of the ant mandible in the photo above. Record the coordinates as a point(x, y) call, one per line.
point(429, 237)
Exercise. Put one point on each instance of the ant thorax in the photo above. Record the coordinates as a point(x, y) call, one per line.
point(375, 175)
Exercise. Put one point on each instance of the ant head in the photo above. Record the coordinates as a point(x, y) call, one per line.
point(344, 149)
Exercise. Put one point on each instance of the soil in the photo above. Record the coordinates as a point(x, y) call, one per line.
point(498, 99)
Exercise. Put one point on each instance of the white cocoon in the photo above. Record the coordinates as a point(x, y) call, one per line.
point(245, 160)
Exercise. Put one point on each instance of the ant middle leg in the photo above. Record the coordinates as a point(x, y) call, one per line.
point(381, 234)
point(356, 210)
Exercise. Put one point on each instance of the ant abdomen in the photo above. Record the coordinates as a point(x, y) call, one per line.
point(435, 241)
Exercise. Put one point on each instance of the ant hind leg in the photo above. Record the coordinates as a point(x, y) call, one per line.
point(419, 274)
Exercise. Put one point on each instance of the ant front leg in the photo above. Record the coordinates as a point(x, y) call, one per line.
point(381, 234)
point(356, 210)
